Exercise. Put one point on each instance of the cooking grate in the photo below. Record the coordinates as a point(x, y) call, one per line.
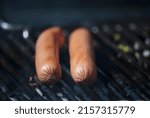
point(123, 72)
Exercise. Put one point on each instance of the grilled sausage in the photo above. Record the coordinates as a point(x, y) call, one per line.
point(83, 68)
point(47, 55)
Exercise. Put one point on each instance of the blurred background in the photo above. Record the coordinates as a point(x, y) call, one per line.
point(69, 11)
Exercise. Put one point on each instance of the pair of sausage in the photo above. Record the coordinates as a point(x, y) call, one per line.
point(83, 68)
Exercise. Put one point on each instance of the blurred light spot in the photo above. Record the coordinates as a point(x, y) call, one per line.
point(132, 26)
point(124, 48)
point(118, 27)
point(5, 25)
point(147, 41)
point(117, 36)
point(95, 29)
point(25, 34)
point(146, 53)
point(136, 46)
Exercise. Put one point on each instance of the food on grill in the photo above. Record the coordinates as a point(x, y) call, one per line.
point(47, 55)
point(82, 62)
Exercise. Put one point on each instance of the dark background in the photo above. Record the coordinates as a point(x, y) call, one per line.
point(69, 11)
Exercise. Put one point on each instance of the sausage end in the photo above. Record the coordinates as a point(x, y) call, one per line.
point(84, 75)
point(49, 74)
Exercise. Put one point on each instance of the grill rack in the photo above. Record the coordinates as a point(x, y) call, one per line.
point(18, 80)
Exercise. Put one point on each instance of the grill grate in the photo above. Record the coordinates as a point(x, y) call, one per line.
point(121, 76)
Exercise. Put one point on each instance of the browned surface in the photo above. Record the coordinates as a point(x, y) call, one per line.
point(47, 55)
point(82, 62)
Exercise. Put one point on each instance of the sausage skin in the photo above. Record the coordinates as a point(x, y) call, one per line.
point(82, 60)
point(47, 55)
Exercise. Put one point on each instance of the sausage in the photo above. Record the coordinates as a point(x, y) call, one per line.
point(82, 60)
point(47, 55)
